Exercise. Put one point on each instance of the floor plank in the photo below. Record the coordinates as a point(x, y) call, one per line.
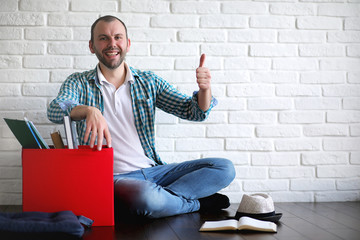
point(338, 215)
point(352, 210)
point(308, 230)
point(287, 233)
point(184, 226)
point(300, 221)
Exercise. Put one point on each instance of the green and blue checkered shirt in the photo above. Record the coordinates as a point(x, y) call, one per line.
point(147, 92)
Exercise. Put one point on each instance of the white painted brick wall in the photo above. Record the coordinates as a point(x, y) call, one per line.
point(286, 74)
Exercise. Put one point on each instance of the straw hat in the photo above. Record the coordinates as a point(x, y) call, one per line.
point(259, 206)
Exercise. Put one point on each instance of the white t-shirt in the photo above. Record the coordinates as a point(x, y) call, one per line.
point(128, 152)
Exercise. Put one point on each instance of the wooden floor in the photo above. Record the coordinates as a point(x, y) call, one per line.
point(315, 221)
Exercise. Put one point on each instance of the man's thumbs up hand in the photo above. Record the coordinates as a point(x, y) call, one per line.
point(202, 60)
point(203, 75)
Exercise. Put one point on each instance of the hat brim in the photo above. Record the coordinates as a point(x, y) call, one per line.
point(273, 218)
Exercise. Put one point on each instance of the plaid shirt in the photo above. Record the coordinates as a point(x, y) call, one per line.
point(147, 92)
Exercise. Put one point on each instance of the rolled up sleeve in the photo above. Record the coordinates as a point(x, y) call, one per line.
point(67, 99)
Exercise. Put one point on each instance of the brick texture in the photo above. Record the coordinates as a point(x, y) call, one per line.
point(285, 73)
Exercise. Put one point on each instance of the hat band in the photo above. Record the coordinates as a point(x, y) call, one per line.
point(254, 215)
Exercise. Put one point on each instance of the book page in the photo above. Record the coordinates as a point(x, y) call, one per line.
point(230, 224)
point(246, 223)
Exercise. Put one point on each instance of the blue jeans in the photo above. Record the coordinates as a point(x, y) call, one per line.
point(172, 189)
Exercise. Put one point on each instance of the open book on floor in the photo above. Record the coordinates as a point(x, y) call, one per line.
point(244, 223)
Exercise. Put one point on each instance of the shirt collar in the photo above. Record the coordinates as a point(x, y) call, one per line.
point(129, 78)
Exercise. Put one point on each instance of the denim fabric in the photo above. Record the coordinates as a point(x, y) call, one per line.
point(172, 189)
point(43, 222)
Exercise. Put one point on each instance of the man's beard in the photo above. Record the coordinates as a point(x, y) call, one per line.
point(111, 64)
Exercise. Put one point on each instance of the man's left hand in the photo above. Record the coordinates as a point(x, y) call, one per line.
point(203, 75)
point(203, 79)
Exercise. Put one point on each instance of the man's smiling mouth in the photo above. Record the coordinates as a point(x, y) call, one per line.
point(112, 53)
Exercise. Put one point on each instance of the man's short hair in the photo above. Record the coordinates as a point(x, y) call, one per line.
point(107, 18)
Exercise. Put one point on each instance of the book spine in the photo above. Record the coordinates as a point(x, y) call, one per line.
point(38, 136)
point(57, 140)
point(67, 126)
point(74, 134)
point(32, 132)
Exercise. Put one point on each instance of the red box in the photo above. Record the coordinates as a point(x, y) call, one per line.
point(80, 180)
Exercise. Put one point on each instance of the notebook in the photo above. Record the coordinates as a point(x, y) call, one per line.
point(26, 133)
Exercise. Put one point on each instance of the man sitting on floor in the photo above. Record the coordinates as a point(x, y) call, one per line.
point(117, 102)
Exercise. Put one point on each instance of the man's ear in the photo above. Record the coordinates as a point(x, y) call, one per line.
point(91, 47)
point(128, 45)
